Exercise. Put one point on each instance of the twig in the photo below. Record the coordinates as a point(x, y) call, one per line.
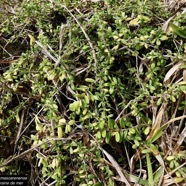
point(22, 154)
point(46, 52)
point(88, 39)
point(173, 171)
point(8, 61)
point(32, 120)
point(128, 104)
point(20, 129)
point(33, 148)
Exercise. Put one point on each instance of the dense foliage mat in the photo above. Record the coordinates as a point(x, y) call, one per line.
point(93, 92)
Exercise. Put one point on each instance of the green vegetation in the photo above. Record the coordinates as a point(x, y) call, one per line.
point(93, 93)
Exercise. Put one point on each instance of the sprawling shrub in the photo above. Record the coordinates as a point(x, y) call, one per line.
point(92, 93)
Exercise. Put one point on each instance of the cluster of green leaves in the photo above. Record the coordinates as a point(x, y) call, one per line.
point(90, 77)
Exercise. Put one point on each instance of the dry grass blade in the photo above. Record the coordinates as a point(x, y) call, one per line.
point(171, 5)
point(171, 72)
point(46, 52)
point(61, 38)
point(154, 112)
point(8, 61)
point(182, 136)
point(60, 43)
point(166, 24)
point(116, 166)
point(169, 181)
point(158, 121)
point(161, 161)
point(128, 159)
point(184, 75)
point(174, 119)
point(173, 171)
point(135, 158)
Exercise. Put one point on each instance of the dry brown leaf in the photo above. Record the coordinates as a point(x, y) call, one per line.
point(154, 112)
point(171, 72)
